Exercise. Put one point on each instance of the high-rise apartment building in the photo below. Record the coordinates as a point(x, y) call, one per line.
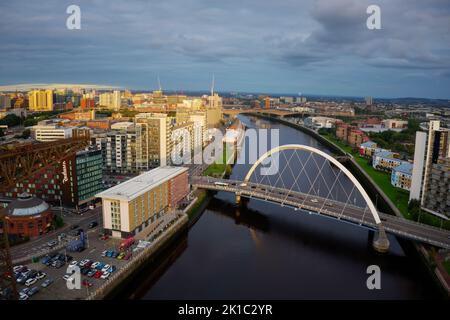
point(437, 196)
point(430, 148)
point(119, 148)
point(214, 110)
point(40, 100)
point(5, 101)
point(155, 142)
point(111, 100)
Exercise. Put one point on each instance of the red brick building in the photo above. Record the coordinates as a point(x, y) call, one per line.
point(28, 216)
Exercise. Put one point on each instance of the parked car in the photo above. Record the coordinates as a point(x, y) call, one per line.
point(91, 273)
point(45, 260)
point(115, 254)
point(95, 264)
point(84, 271)
point(105, 275)
point(104, 253)
point(121, 255)
point(93, 224)
point(47, 282)
point(100, 266)
point(30, 282)
point(73, 263)
point(84, 262)
point(21, 279)
point(112, 269)
point(33, 291)
point(106, 268)
point(23, 296)
point(52, 243)
point(97, 274)
point(58, 264)
point(87, 283)
point(25, 290)
point(18, 268)
point(127, 256)
point(66, 276)
point(40, 275)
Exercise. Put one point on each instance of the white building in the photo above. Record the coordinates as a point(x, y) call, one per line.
point(320, 122)
point(50, 132)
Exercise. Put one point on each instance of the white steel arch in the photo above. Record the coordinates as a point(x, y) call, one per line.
point(363, 192)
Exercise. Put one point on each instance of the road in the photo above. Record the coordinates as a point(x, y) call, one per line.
point(39, 245)
point(318, 205)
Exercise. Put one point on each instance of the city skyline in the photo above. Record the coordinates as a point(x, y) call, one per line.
point(316, 47)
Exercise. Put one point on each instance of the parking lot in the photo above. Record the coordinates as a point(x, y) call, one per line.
point(58, 288)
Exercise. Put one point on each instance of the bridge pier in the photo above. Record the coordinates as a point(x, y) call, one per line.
point(238, 198)
point(381, 242)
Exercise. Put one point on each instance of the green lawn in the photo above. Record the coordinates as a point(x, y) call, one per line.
point(218, 168)
point(193, 210)
point(447, 266)
point(398, 196)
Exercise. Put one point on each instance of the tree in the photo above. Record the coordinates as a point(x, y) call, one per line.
point(414, 208)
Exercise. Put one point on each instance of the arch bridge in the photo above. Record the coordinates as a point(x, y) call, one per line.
point(337, 199)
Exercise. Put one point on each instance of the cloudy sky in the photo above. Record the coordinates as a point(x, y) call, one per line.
point(275, 46)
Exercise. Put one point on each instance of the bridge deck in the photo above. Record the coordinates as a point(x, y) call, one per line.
point(398, 226)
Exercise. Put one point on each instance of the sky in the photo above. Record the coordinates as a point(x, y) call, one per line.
point(277, 46)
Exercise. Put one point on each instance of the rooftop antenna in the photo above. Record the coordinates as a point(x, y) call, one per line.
point(212, 86)
point(159, 84)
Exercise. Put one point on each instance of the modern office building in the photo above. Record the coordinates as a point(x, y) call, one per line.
point(133, 205)
point(88, 174)
point(40, 100)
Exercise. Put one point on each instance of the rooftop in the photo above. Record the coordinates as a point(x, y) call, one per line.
point(368, 144)
point(385, 154)
point(405, 167)
point(26, 205)
point(137, 186)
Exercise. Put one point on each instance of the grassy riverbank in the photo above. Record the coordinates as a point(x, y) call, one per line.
point(222, 166)
point(398, 196)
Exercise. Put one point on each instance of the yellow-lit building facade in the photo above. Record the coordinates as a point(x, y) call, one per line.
point(40, 100)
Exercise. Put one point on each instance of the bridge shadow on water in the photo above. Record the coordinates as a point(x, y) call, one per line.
point(307, 235)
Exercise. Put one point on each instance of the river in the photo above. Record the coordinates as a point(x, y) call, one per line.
point(271, 252)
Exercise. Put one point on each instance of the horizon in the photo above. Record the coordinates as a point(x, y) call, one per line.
point(33, 86)
point(320, 47)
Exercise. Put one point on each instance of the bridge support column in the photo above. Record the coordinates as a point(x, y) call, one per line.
point(381, 241)
point(238, 198)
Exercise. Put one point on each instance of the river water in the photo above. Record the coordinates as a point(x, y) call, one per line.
point(265, 251)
